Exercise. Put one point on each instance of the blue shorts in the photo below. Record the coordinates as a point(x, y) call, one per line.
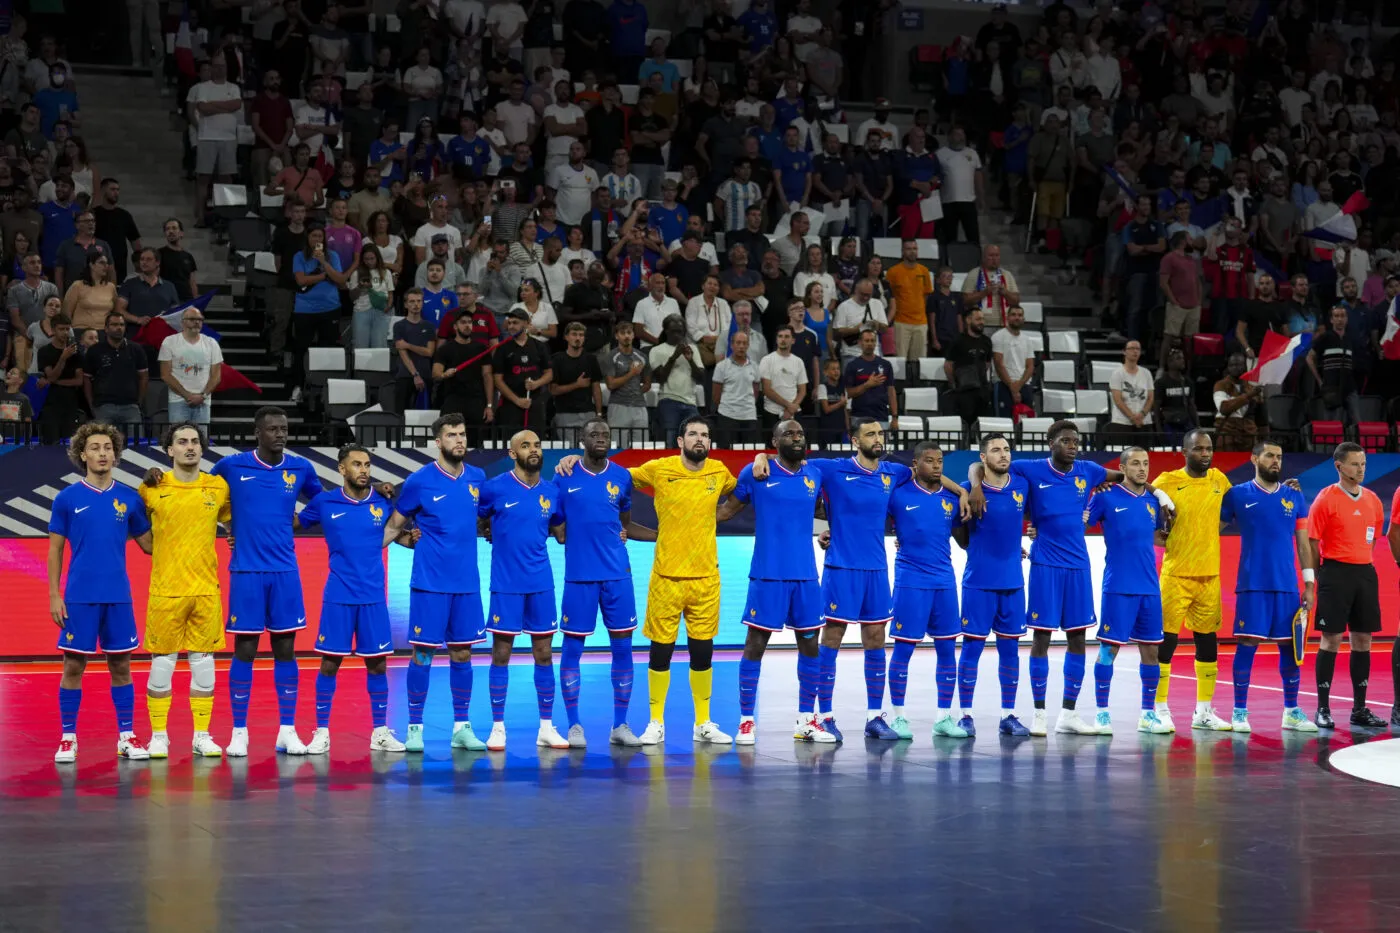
point(522, 613)
point(1060, 598)
point(454, 618)
point(987, 611)
point(1263, 614)
point(1131, 618)
point(773, 605)
point(360, 629)
point(925, 612)
point(265, 602)
point(112, 626)
point(860, 597)
point(579, 609)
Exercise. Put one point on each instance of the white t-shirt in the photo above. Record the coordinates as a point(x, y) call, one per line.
point(1135, 388)
point(801, 280)
point(889, 134)
point(680, 382)
point(1015, 349)
point(566, 113)
point(804, 24)
point(707, 251)
point(543, 317)
point(515, 120)
point(585, 256)
point(190, 362)
point(498, 138)
point(467, 15)
point(959, 169)
point(389, 253)
point(573, 191)
point(554, 279)
point(425, 234)
point(309, 114)
point(1292, 100)
point(216, 127)
point(419, 79)
point(737, 400)
point(651, 313)
point(850, 314)
point(785, 373)
point(507, 17)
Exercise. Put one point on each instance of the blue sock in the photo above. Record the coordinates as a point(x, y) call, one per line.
point(899, 672)
point(1039, 669)
point(808, 669)
point(874, 678)
point(569, 676)
point(459, 679)
point(325, 694)
point(1103, 679)
point(748, 685)
point(240, 684)
point(499, 681)
point(826, 678)
point(622, 673)
point(967, 669)
point(1008, 670)
point(419, 675)
point(124, 701)
point(377, 685)
point(1244, 664)
point(1288, 670)
point(68, 702)
point(285, 676)
point(544, 690)
point(1151, 676)
point(1074, 678)
point(945, 673)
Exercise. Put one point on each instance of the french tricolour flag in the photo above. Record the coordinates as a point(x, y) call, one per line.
point(154, 332)
point(1340, 227)
point(1277, 357)
point(1390, 337)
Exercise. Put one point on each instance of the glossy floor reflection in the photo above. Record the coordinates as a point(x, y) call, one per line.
point(1200, 832)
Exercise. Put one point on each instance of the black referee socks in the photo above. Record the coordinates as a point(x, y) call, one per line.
point(1360, 676)
point(1326, 665)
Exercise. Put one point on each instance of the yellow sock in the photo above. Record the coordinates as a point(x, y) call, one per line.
point(701, 685)
point(658, 683)
point(1164, 685)
point(159, 710)
point(201, 708)
point(1205, 681)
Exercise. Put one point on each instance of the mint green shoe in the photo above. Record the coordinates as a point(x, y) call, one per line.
point(464, 737)
point(1239, 720)
point(900, 725)
point(1297, 721)
point(947, 727)
point(413, 742)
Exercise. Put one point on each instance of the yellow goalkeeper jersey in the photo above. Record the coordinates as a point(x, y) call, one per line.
point(184, 519)
point(685, 513)
point(1193, 547)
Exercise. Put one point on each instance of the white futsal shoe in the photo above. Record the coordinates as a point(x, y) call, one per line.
point(67, 749)
point(1164, 715)
point(1070, 723)
point(320, 743)
point(159, 745)
point(747, 731)
point(1206, 719)
point(382, 739)
point(238, 743)
point(1040, 722)
point(576, 737)
point(548, 737)
point(1103, 722)
point(655, 733)
point(496, 741)
point(205, 747)
point(288, 742)
point(132, 748)
point(710, 732)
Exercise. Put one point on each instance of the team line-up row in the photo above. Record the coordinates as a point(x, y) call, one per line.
point(442, 508)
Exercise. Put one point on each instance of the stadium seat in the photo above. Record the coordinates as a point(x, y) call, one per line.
point(1091, 402)
point(1062, 343)
point(1322, 436)
point(418, 424)
point(928, 249)
point(931, 369)
point(1208, 350)
point(900, 366)
point(1037, 341)
point(1057, 401)
point(995, 426)
point(1087, 427)
point(345, 397)
point(374, 365)
point(1284, 412)
point(887, 247)
point(963, 257)
point(921, 400)
point(1372, 429)
point(157, 401)
point(378, 427)
point(1032, 433)
point(911, 426)
point(947, 429)
point(1058, 374)
point(1035, 314)
point(1100, 371)
point(322, 364)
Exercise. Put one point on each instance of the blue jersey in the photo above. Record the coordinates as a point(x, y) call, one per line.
point(994, 540)
point(444, 508)
point(592, 506)
point(924, 523)
point(474, 153)
point(783, 505)
point(1267, 522)
point(856, 503)
point(1130, 524)
point(355, 538)
point(97, 523)
point(1058, 501)
point(521, 517)
point(264, 499)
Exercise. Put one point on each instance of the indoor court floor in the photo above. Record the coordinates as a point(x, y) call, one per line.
point(1193, 833)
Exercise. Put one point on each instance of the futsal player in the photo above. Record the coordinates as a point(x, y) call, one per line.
point(354, 612)
point(92, 607)
point(924, 515)
point(264, 585)
point(522, 510)
point(1131, 599)
point(783, 590)
point(1272, 522)
point(993, 585)
point(1344, 524)
point(855, 580)
point(685, 572)
point(1061, 597)
point(444, 596)
point(596, 506)
point(185, 609)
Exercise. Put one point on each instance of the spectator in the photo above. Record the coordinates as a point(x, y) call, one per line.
point(886, 134)
point(564, 125)
point(115, 226)
point(722, 38)
point(869, 382)
point(650, 131)
point(760, 29)
point(71, 259)
point(623, 187)
point(991, 288)
point(115, 377)
point(777, 295)
point(946, 310)
point(60, 218)
point(553, 274)
point(371, 288)
point(586, 29)
point(300, 180)
point(968, 368)
point(833, 408)
point(462, 368)
point(739, 282)
point(541, 323)
point(440, 250)
point(60, 366)
point(1301, 314)
point(919, 177)
point(145, 295)
point(686, 272)
point(94, 296)
point(571, 185)
point(629, 380)
point(1131, 391)
point(214, 108)
point(316, 311)
point(659, 64)
point(1335, 377)
point(1235, 285)
point(191, 365)
point(825, 67)
point(1145, 245)
point(653, 309)
point(15, 405)
point(873, 173)
point(1235, 403)
point(707, 320)
point(505, 27)
point(369, 199)
point(628, 23)
point(854, 317)
point(484, 327)
point(25, 301)
point(743, 324)
point(414, 342)
point(422, 84)
point(1175, 412)
point(588, 301)
point(721, 141)
point(675, 367)
point(785, 379)
point(577, 386)
point(755, 241)
point(814, 270)
point(834, 185)
point(360, 124)
point(1013, 359)
point(437, 225)
point(1050, 160)
point(735, 387)
point(960, 168)
point(520, 366)
point(1180, 281)
point(734, 197)
point(1321, 271)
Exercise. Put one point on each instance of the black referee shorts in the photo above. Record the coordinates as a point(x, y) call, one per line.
point(1348, 598)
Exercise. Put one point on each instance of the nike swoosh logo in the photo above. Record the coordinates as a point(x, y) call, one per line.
point(1044, 486)
point(385, 645)
point(443, 496)
point(575, 488)
point(243, 696)
point(83, 509)
point(849, 478)
point(769, 485)
point(511, 505)
point(1251, 505)
point(1123, 509)
point(301, 620)
point(336, 514)
point(910, 508)
point(244, 479)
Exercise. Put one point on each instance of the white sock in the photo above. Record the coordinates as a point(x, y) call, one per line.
point(898, 709)
point(546, 724)
point(965, 712)
point(1163, 708)
point(70, 737)
point(746, 719)
point(128, 734)
point(873, 714)
point(1007, 712)
point(460, 724)
point(1202, 706)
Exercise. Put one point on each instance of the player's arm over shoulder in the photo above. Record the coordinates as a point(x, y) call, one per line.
point(644, 475)
point(727, 479)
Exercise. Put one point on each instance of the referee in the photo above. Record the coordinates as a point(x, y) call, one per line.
point(1343, 524)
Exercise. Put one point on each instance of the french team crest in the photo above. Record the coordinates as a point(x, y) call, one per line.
point(947, 507)
point(474, 491)
point(289, 479)
point(1287, 506)
point(1151, 510)
point(1019, 498)
point(377, 514)
point(119, 507)
point(613, 492)
point(1080, 484)
point(544, 506)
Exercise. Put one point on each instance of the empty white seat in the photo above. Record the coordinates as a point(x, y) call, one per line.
point(268, 200)
point(606, 394)
point(325, 359)
point(683, 68)
point(921, 399)
point(1086, 425)
point(958, 279)
point(1091, 402)
point(1100, 372)
point(663, 34)
point(943, 424)
point(650, 396)
point(1058, 401)
point(995, 425)
point(699, 396)
point(629, 93)
point(353, 79)
point(841, 131)
point(931, 369)
point(1063, 342)
point(1037, 340)
point(420, 418)
point(345, 392)
point(911, 425)
point(1036, 425)
point(1058, 372)
point(888, 247)
point(373, 360)
point(900, 366)
point(230, 195)
point(1035, 312)
point(928, 249)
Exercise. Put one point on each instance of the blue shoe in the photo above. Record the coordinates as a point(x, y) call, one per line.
point(1010, 725)
point(965, 724)
point(829, 725)
point(877, 728)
